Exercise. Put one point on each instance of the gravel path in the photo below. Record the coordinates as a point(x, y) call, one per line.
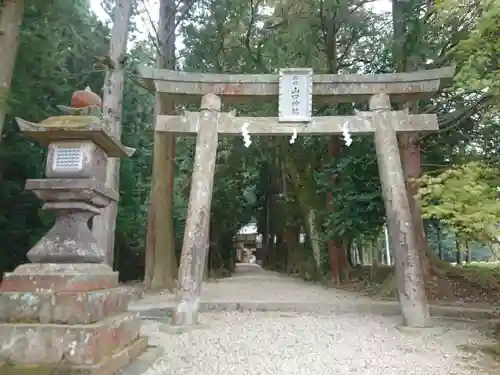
point(260, 343)
point(252, 283)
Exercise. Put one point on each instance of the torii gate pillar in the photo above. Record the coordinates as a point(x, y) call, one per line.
point(411, 288)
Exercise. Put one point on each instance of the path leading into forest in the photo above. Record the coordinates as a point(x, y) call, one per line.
point(304, 329)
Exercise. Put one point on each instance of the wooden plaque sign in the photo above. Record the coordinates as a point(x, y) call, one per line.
point(295, 94)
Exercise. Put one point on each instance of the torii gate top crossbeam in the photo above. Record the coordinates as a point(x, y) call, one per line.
point(232, 125)
point(186, 87)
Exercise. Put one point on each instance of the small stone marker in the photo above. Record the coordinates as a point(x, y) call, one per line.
point(65, 312)
point(295, 94)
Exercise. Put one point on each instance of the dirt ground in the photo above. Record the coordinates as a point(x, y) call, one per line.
point(476, 286)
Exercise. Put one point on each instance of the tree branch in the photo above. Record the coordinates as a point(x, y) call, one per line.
point(138, 83)
point(185, 12)
point(154, 38)
point(456, 119)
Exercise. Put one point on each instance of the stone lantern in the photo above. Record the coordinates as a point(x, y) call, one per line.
point(65, 311)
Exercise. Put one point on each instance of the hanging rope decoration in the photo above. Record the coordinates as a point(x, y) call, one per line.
point(246, 135)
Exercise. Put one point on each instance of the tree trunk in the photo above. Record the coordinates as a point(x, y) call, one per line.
point(351, 255)
point(344, 266)
point(372, 256)
point(287, 253)
point(468, 254)
point(459, 253)
point(280, 252)
point(336, 250)
point(302, 186)
point(314, 237)
point(361, 251)
point(438, 239)
point(10, 24)
point(162, 186)
point(104, 225)
point(409, 147)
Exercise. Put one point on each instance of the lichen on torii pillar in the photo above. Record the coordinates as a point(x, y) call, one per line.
point(196, 233)
point(65, 312)
point(409, 278)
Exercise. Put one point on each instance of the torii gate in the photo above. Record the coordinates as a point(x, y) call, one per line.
point(295, 117)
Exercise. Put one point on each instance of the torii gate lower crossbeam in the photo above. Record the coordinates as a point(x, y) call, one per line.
point(381, 120)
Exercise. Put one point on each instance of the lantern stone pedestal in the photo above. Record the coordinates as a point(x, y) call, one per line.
point(65, 312)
